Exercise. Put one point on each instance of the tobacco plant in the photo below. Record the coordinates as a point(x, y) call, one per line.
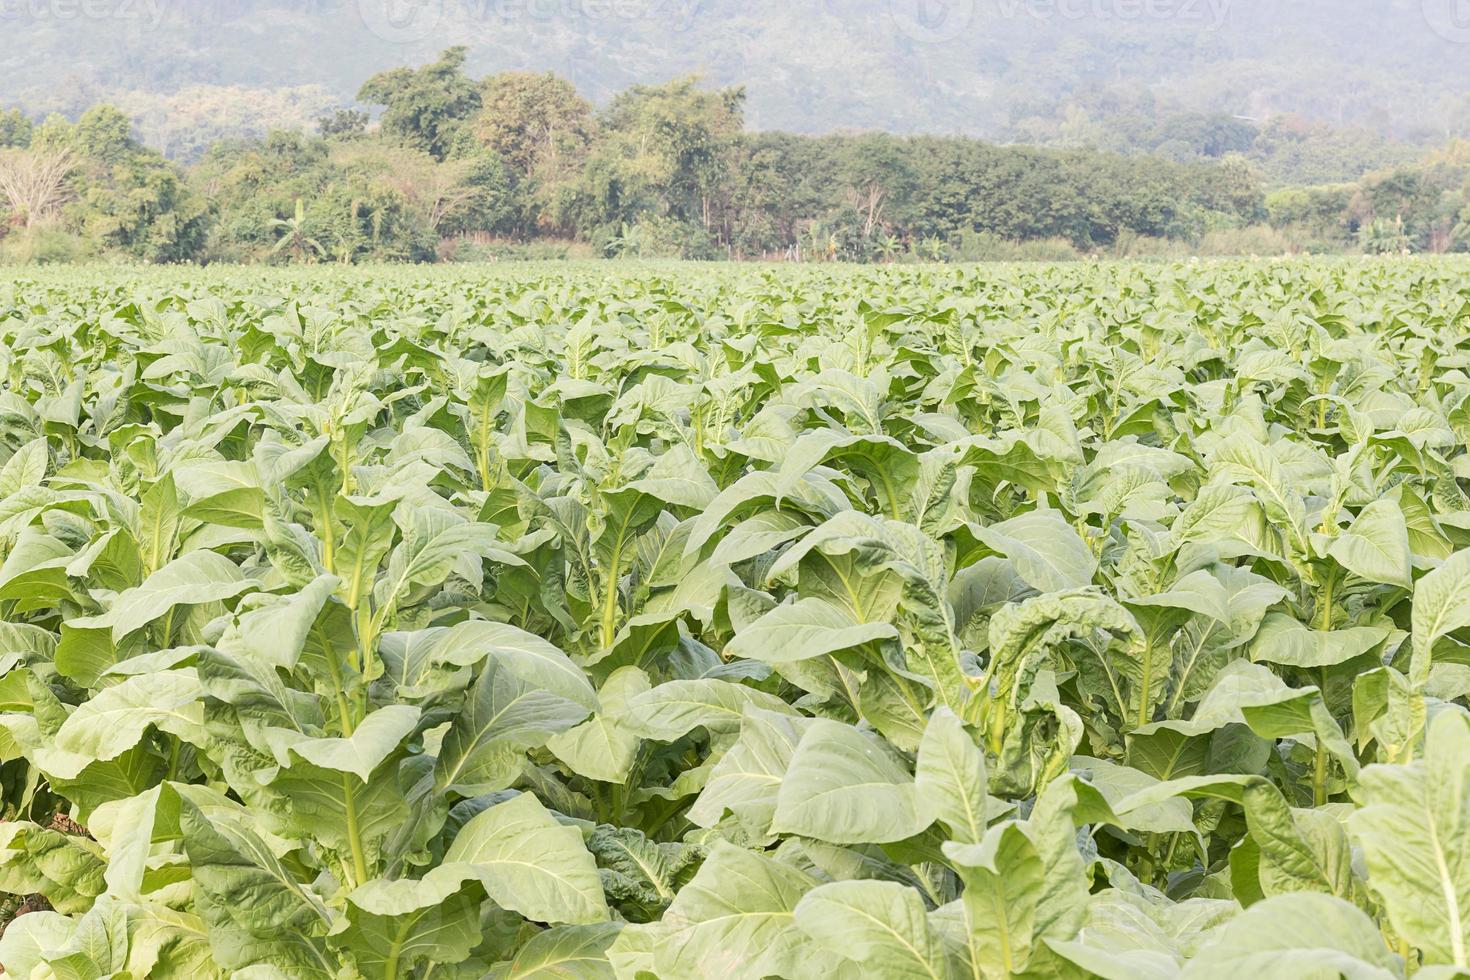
point(712, 622)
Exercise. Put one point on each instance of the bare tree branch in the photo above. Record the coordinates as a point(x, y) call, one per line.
point(33, 182)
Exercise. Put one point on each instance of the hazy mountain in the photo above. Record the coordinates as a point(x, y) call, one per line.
point(1005, 69)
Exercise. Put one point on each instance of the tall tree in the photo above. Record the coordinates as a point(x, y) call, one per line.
point(127, 198)
point(15, 129)
point(542, 129)
point(877, 177)
point(425, 108)
point(669, 148)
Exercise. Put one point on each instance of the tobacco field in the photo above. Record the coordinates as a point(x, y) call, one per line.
point(718, 622)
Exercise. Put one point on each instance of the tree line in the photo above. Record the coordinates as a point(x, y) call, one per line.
point(522, 164)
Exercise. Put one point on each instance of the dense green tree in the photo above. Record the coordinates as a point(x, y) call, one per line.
point(533, 121)
point(776, 190)
point(1321, 213)
point(1290, 150)
point(542, 130)
point(124, 197)
point(361, 199)
point(343, 124)
point(665, 151)
point(15, 129)
point(425, 108)
point(669, 170)
point(877, 177)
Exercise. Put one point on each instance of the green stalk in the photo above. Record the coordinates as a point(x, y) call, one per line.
point(168, 628)
point(1319, 764)
point(354, 833)
point(328, 533)
point(1324, 612)
point(1319, 775)
point(482, 450)
point(346, 464)
point(366, 636)
point(610, 604)
point(1169, 854)
point(995, 728)
point(1148, 670)
point(482, 463)
point(344, 712)
point(173, 760)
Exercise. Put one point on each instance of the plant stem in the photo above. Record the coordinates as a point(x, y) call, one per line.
point(610, 607)
point(1324, 603)
point(1148, 670)
point(354, 833)
point(329, 537)
point(366, 636)
point(1319, 775)
point(1319, 766)
point(173, 760)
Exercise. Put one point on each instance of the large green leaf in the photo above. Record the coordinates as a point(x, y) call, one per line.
point(378, 737)
point(670, 711)
point(112, 722)
point(197, 577)
point(1297, 936)
point(848, 787)
point(1376, 546)
point(565, 952)
point(258, 914)
point(605, 746)
point(736, 918)
point(747, 780)
point(881, 925)
point(950, 775)
point(528, 862)
point(503, 716)
point(1046, 550)
point(1415, 831)
point(1441, 606)
point(803, 630)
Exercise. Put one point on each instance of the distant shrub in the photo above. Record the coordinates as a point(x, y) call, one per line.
point(664, 238)
point(1133, 246)
point(485, 249)
point(983, 246)
point(1250, 240)
point(43, 245)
